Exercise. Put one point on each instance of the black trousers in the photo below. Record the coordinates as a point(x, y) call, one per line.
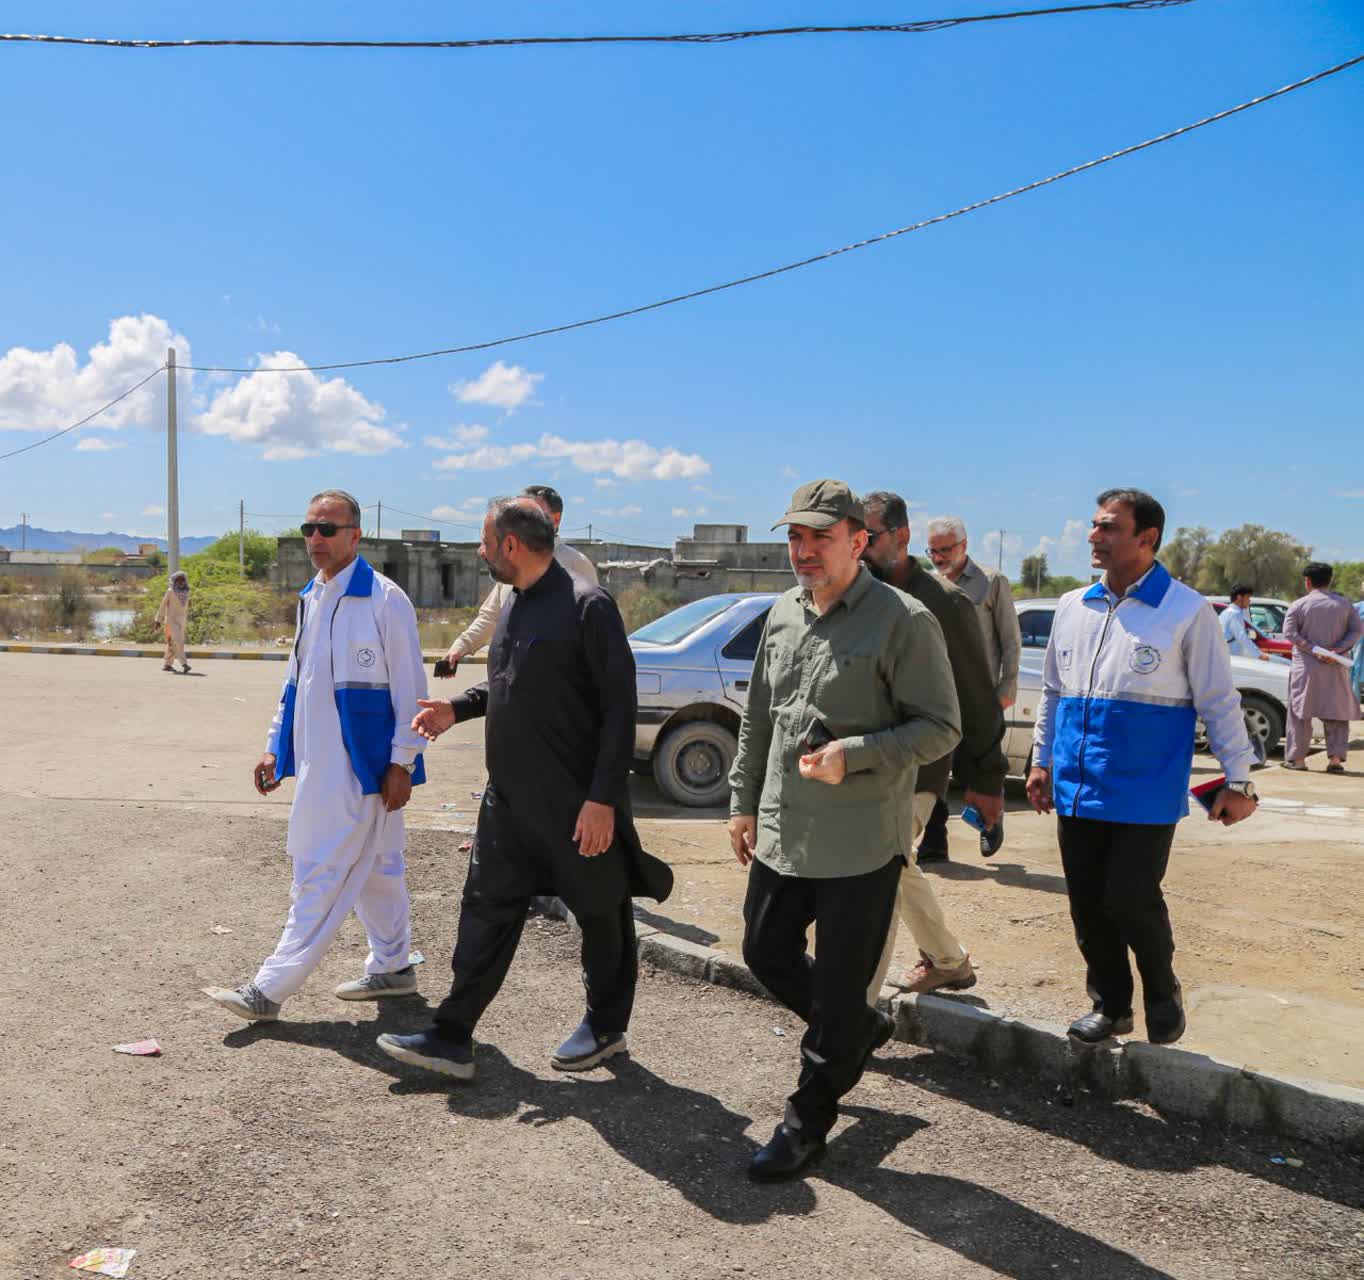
point(1113, 874)
point(509, 865)
point(828, 990)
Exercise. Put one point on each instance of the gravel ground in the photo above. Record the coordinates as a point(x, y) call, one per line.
point(250, 1152)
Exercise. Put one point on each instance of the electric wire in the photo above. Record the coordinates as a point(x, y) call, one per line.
point(804, 262)
point(920, 27)
point(88, 418)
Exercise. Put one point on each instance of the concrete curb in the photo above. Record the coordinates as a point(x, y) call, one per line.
point(1175, 1082)
point(198, 655)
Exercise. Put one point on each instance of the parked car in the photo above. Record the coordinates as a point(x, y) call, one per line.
point(1266, 623)
point(692, 668)
point(1263, 685)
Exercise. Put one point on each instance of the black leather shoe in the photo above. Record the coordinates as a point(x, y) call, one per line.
point(1165, 1019)
point(885, 1029)
point(931, 853)
point(1096, 1027)
point(786, 1156)
point(992, 841)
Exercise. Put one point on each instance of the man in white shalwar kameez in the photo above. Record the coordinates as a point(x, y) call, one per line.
point(343, 729)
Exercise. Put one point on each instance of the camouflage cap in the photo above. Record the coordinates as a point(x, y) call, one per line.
point(822, 504)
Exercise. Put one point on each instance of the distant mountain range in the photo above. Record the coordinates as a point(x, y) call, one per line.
point(68, 540)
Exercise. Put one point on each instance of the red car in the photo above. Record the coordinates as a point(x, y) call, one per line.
point(1261, 612)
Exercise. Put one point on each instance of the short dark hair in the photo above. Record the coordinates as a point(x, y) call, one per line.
point(1147, 513)
point(894, 512)
point(1319, 573)
point(523, 521)
point(550, 497)
point(1241, 589)
point(339, 495)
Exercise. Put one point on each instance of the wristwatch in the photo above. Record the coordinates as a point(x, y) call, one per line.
point(1246, 789)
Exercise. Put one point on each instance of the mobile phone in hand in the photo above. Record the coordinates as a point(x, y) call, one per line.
point(444, 667)
point(1206, 793)
point(816, 737)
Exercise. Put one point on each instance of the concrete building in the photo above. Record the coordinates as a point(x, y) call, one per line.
point(714, 560)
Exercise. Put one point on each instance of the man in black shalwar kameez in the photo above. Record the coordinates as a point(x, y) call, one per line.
point(555, 818)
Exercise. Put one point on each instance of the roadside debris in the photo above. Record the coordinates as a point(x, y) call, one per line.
point(415, 957)
point(139, 1049)
point(219, 928)
point(104, 1262)
point(778, 1031)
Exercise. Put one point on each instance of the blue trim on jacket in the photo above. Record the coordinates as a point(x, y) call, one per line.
point(367, 718)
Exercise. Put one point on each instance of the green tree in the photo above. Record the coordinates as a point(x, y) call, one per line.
point(1032, 574)
point(1270, 560)
point(1185, 554)
point(260, 551)
point(1349, 579)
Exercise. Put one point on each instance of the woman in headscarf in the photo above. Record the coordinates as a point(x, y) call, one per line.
point(174, 613)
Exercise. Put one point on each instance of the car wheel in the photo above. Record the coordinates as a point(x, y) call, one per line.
point(1263, 720)
point(691, 763)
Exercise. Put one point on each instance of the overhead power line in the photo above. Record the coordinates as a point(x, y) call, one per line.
point(804, 262)
point(88, 418)
point(919, 27)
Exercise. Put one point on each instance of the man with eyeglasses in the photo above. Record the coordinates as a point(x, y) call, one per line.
point(343, 729)
point(991, 594)
point(943, 961)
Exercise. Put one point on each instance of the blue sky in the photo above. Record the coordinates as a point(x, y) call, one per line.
point(1186, 319)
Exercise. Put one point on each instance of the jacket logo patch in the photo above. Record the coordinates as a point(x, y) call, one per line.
point(1145, 659)
point(1065, 654)
point(365, 657)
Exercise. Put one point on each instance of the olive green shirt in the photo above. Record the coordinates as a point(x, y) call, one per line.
point(874, 669)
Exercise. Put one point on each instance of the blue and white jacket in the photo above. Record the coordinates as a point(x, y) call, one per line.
point(377, 672)
point(1125, 679)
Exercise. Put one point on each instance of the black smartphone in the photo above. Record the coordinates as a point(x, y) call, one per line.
point(444, 667)
point(1206, 793)
point(816, 736)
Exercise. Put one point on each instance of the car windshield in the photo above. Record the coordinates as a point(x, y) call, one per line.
point(680, 623)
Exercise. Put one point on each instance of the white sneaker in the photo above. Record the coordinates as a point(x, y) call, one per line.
point(247, 1001)
point(375, 986)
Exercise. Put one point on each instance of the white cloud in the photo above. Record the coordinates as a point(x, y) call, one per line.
point(684, 513)
point(500, 385)
point(605, 482)
point(1068, 552)
point(1350, 493)
point(106, 515)
point(151, 509)
point(467, 509)
point(50, 389)
point(619, 459)
point(95, 444)
point(461, 437)
point(261, 325)
point(1187, 493)
point(621, 513)
point(789, 473)
point(297, 415)
point(989, 542)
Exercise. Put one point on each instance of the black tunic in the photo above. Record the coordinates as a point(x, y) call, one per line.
point(560, 708)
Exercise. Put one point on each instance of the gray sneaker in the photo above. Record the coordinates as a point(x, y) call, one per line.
point(247, 1001)
point(375, 986)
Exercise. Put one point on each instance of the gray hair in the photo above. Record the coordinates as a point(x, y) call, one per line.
point(338, 495)
point(947, 524)
point(523, 519)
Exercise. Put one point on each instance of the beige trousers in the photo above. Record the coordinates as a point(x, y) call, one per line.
point(175, 646)
point(917, 905)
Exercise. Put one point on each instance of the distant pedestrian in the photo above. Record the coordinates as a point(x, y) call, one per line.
point(1320, 624)
point(851, 693)
point(343, 728)
point(1235, 622)
point(1132, 663)
point(1357, 671)
point(480, 631)
point(173, 616)
point(990, 592)
point(559, 704)
point(943, 961)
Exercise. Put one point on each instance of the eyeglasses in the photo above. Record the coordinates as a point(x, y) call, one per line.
point(324, 527)
point(873, 534)
point(936, 553)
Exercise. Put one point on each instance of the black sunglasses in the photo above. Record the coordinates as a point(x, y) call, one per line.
point(324, 527)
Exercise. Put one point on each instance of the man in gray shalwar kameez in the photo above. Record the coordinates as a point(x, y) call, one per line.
point(1319, 685)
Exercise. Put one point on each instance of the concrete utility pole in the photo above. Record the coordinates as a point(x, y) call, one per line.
point(241, 535)
point(1001, 551)
point(380, 524)
point(172, 470)
point(589, 533)
point(23, 531)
